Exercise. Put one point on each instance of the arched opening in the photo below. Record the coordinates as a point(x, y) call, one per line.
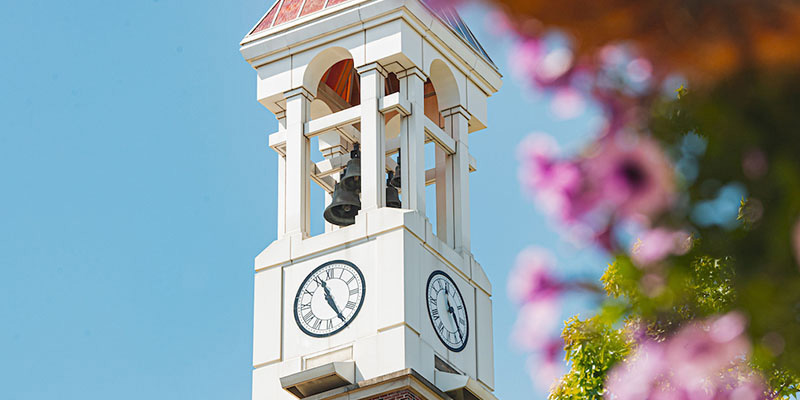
point(340, 86)
point(338, 89)
point(441, 93)
point(432, 110)
point(447, 91)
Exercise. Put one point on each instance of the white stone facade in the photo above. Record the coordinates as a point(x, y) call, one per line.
point(396, 249)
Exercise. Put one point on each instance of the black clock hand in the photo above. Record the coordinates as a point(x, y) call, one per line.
point(453, 314)
point(452, 311)
point(329, 299)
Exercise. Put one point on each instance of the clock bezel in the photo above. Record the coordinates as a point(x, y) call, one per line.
point(430, 316)
point(355, 313)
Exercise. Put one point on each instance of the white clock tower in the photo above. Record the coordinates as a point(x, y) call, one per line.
point(388, 302)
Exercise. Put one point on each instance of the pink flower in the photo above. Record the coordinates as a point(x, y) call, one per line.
point(525, 57)
point(567, 103)
point(532, 61)
point(640, 375)
point(634, 178)
point(548, 367)
point(703, 349)
point(703, 361)
point(639, 70)
point(532, 278)
point(556, 184)
point(535, 324)
point(656, 244)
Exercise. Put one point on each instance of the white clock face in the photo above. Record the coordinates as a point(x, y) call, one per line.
point(329, 298)
point(447, 311)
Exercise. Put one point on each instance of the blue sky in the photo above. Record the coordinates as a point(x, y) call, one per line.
point(137, 186)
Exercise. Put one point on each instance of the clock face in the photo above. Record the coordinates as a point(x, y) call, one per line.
point(447, 311)
point(329, 298)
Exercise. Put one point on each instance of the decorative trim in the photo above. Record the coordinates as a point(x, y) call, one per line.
point(298, 91)
point(369, 67)
point(459, 109)
point(413, 71)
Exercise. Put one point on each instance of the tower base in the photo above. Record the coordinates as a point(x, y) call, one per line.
point(401, 385)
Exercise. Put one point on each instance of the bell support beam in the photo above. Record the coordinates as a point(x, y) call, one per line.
point(331, 166)
point(297, 163)
point(436, 134)
point(373, 187)
point(333, 121)
point(393, 146)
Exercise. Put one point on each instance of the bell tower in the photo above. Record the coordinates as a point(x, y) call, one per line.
point(375, 100)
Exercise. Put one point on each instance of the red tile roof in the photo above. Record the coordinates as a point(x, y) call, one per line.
point(284, 11)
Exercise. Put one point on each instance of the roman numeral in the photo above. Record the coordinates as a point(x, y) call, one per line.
point(462, 321)
point(440, 327)
point(306, 306)
point(460, 307)
point(308, 317)
point(353, 291)
point(349, 280)
point(432, 301)
point(329, 274)
point(350, 305)
point(435, 313)
point(328, 324)
point(307, 292)
point(317, 324)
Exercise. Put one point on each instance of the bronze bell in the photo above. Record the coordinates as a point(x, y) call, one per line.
point(395, 180)
point(351, 180)
point(392, 197)
point(343, 208)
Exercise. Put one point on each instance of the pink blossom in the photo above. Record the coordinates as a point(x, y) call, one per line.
point(640, 375)
point(555, 183)
point(554, 65)
point(639, 70)
point(525, 57)
point(532, 61)
point(634, 178)
point(703, 349)
point(656, 244)
point(546, 368)
point(532, 277)
point(567, 103)
point(535, 323)
point(703, 361)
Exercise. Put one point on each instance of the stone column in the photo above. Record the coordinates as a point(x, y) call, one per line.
point(297, 163)
point(412, 140)
point(373, 158)
point(457, 125)
point(281, 116)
